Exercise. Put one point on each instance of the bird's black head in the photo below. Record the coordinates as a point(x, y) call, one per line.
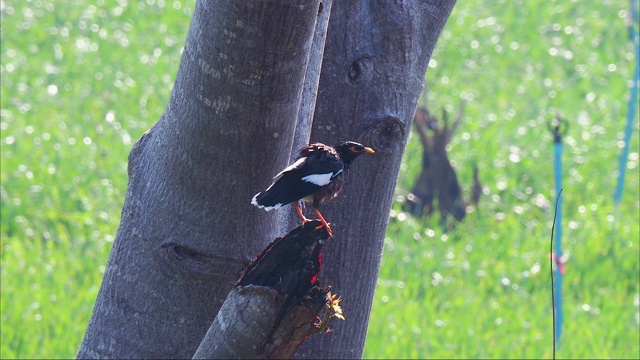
point(349, 150)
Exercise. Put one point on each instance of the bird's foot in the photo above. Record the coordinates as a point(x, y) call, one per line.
point(325, 225)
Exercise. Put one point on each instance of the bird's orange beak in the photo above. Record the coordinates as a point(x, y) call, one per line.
point(368, 150)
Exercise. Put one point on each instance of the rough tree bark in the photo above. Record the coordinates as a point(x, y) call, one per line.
point(375, 60)
point(188, 228)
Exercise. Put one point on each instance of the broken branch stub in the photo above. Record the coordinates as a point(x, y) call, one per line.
point(275, 305)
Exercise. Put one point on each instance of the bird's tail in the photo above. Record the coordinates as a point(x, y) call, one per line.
point(265, 200)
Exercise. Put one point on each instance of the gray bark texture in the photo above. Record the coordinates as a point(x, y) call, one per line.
point(241, 105)
point(188, 228)
point(375, 60)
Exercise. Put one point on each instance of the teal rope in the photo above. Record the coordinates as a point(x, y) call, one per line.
point(631, 112)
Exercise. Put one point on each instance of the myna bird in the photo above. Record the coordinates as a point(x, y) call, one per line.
point(317, 176)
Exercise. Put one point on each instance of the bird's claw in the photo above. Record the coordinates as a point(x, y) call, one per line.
point(327, 227)
point(319, 227)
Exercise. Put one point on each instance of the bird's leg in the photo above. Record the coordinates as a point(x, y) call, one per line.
point(299, 211)
point(325, 224)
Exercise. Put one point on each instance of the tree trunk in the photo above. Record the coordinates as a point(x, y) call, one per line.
point(375, 59)
point(188, 228)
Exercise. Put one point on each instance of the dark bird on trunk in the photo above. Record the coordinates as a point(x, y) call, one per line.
point(317, 176)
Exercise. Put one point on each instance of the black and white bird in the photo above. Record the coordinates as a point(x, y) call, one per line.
point(317, 176)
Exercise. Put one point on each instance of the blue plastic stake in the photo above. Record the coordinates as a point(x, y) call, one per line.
point(633, 104)
point(557, 285)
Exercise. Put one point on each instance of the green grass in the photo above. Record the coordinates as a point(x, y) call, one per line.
point(81, 82)
point(89, 81)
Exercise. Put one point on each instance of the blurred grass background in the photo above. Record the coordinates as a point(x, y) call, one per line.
point(81, 81)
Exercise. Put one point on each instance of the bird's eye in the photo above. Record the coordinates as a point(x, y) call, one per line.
point(354, 149)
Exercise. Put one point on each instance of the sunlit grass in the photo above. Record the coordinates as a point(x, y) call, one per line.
point(483, 289)
point(82, 80)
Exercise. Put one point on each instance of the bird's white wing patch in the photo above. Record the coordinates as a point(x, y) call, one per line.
point(319, 179)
